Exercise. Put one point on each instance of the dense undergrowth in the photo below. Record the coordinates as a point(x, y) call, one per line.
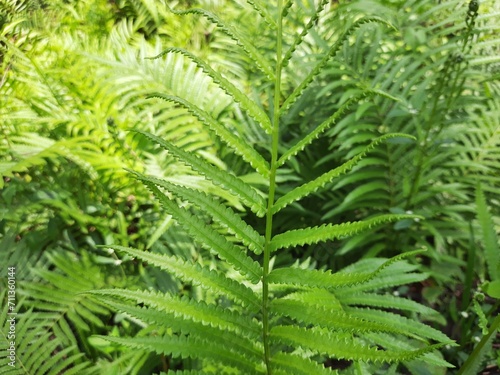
point(287, 188)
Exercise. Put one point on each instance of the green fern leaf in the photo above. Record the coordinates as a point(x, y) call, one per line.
point(325, 279)
point(322, 341)
point(327, 177)
point(384, 281)
point(391, 342)
point(264, 13)
point(399, 322)
point(300, 37)
point(491, 248)
point(194, 273)
point(247, 46)
point(256, 112)
point(232, 183)
point(219, 212)
point(237, 144)
point(331, 318)
point(299, 237)
point(207, 237)
point(333, 50)
point(317, 296)
point(387, 301)
point(187, 347)
point(247, 346)
point(197, 311)
point(288, 363)
point(314, 134)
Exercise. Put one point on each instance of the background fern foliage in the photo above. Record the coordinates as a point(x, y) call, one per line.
point(250, 187)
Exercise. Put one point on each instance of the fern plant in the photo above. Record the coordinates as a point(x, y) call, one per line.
point(251, 317)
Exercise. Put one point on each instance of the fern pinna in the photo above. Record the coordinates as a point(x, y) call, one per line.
point(283, 320)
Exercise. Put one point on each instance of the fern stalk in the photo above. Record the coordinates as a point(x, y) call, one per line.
point(272, 188)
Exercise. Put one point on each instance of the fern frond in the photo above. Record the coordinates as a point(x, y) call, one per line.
point(221, 213)
point(387, 301)
point(69, 316)
point(321, 181)
point(399, 322)
point(322, 341)
point(188, 347)
point(332, 51)
point(194, 273)
point(230, 182)
point(300, 37)
point(315, 133)
point(190, 310)
point(491, 248)
point(315, 296)
point(237, 144)
point(331, 318)
point(299, 237)
point(170, 321)
point(253, 110)
point(209, 238)
point(247, 46)
point(264, 13)
point(385, 281)
point(325, 279)
point(288, 363)
point(391, 342)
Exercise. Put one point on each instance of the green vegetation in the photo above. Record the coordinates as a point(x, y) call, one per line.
point(249, 187)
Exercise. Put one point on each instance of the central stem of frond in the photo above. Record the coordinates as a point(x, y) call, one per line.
point(272, 188)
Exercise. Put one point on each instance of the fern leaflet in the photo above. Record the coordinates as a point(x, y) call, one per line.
point(247, 46)
point(333, 50)
point(327, 177)
point(250, 106)
point(186, 347)
point(232, 183)
point(299, 237)
point(217, 317)
point(322, 341)
point(237, 144)
point(189, 272)
point(209, 238)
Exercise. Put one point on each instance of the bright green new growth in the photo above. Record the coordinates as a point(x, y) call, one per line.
point(283, 321)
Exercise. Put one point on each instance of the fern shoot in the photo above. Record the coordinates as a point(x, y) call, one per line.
point(289, 319)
